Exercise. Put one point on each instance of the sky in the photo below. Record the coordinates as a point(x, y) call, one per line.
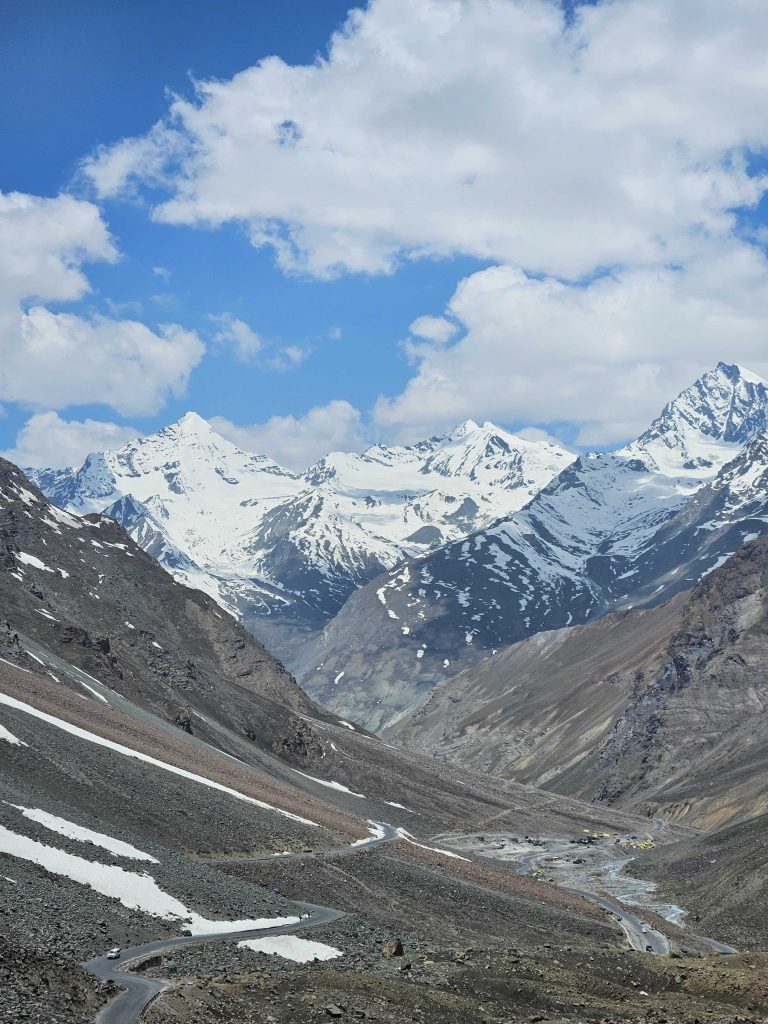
point(320, 226)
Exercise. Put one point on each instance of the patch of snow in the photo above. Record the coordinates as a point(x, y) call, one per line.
point(18, 667)
point(100, 741)
point(65, 517)
point(130, 625)
point(32, 560)
point(83, 835)
point(289, 947)
point(347, 725)
point(377, 832)
point(338, 677)
point(135, 891)
point(8, 737)
point(391, 803)
point(331, 785)
point(433, 849)
point(93, 691)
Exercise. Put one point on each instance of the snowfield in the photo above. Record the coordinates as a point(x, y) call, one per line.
point(83, 835)
point(214, 515)
point(330, 785)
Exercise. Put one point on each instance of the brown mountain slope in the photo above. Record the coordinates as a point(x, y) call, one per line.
point(87, 593)
point(660, 710)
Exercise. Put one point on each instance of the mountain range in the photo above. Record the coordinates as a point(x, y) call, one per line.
point(378, 576)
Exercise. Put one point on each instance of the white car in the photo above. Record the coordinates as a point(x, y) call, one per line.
point(114, 954)
point(644, 931)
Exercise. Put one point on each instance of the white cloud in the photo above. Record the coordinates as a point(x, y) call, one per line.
point(163, 273)
point(288, 357)
point(297, 442)
point(245, 341)
point(60, 359)
point(47, 440)
point(433, 328)
point(606, 356)
point(621, 139)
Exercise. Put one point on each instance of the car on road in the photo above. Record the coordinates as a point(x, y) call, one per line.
point(644, 930)
point(114, 953)
point(649, 949)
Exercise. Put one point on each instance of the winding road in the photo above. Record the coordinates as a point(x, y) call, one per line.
point(138, 992)
point(640, 935)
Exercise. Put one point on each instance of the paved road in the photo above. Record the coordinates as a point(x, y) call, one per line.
point(138, 991)
point(639, 933)
point(390, 834)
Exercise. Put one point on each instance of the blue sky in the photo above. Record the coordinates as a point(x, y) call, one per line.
point(87, 73)
point(581, 240)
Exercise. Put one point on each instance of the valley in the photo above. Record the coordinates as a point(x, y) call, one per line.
point(515, 837)
point(384, 512)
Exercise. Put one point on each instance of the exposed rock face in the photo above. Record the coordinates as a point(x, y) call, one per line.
point(659, 709)
point(613, 531)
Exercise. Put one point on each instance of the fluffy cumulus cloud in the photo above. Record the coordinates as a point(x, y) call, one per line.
point(48, 440)
point(483, 127)
point(297, 442)
point(605, 164)
point(606, 356)
point(239, 335)
point(56, 359)
point(433, 328)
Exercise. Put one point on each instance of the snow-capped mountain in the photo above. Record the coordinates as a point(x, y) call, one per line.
point(611, 531)
point(265, 541)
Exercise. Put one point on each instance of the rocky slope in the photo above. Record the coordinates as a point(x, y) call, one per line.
point(151, 752)
point(87, 592)
point(661, 709)
point(612, 531)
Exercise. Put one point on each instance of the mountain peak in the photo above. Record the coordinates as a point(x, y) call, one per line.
point(708, 422)
point(464, 429)
point(192, 423)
